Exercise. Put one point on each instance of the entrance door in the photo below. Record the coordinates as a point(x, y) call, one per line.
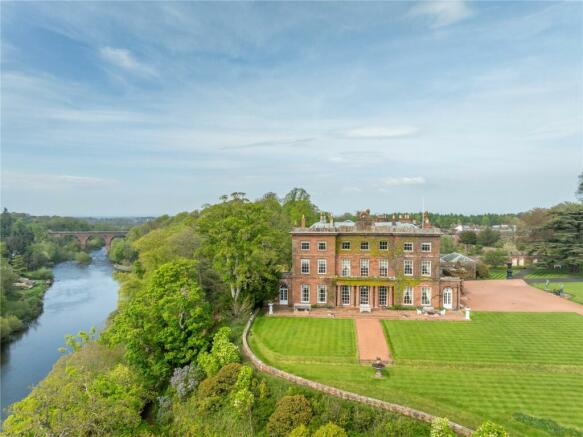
point(447, 298)
point(283, 295)
point(364, 295)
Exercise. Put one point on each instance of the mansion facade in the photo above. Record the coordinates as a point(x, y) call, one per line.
point(371, 264)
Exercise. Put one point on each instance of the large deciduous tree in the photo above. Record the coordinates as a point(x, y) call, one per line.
point(563, 238)
point(245, 245)
point(165, 325)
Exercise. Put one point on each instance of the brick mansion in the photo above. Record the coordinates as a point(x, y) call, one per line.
point(372, 264)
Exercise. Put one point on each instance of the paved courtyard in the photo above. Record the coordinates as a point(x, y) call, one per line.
point(514, 295)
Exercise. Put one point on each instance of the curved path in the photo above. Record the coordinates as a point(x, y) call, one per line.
point(383, 405)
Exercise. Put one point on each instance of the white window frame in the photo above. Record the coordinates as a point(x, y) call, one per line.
point(426, 296)
point(408, 296)
point(448, 291)
point(322, 243)
point(283, 289)
point(304, 262)
point(322, 263)
point(425, 245)
point(364, 289)
point(380, 244)
point(405, 247)
point(347, 243)
point(346, 267)
point(364, 267)
point(384, 268)
point(345, 294)
point(322, 288)
point(408, 262)
point(425, 267)
point(305, 288)
point(302, 243)
point(364, 243)
point(383, 293)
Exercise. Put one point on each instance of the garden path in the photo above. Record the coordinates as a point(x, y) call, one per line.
point(371, 340)
point(514, 295)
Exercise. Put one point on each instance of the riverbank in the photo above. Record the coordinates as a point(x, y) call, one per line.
point(21, 308)
point(80, 297)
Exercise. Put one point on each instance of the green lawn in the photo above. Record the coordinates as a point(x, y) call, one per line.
point(552, 274)
point(494, 367)
point(575, 289)
point(306, 339)
point(497, 274)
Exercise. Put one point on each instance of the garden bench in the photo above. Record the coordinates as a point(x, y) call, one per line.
point(302, 307)
point(364, 308)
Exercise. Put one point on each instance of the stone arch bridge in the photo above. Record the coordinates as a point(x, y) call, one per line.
point(83, 236)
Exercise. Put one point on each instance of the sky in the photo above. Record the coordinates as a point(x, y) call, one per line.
point(147, 108)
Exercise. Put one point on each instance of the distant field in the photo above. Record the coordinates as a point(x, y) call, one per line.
point(575, 289)
point(499, 366)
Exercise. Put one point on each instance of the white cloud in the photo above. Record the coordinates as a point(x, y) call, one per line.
point(48, 182)
point(380, 132)
point(125, 60)
point(442, 12)
point(404, 180)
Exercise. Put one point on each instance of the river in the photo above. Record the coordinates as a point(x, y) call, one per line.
point(80, 297)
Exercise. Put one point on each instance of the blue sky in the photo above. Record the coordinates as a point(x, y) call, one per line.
point(147, 108)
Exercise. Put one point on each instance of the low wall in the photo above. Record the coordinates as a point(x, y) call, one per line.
point(383, 405)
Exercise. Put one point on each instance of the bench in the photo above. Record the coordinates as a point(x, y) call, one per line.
point(365, 308)
point(302, 307)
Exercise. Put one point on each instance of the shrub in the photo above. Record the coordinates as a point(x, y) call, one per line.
point(242, 396)
point(83, 258)
point(291, 411)
point(185, 379)
point(440, 428)
point(221, 383)
point(299, 431)
point(330, 430)
point(489, 429)
point(482, 270)
point(43, 273)
point(223, 352)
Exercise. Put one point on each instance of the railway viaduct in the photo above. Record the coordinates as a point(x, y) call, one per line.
point(83, 236)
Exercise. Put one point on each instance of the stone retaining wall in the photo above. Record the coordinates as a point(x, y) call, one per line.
point(383, 405)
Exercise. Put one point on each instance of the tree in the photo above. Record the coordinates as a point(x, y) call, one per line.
point(291, 412)
point(495, 258)
point(488, 237)
point(580, 188)
point(561, 238)
point(468, 237)
point(297, 204)
point(165, 325)
point(223, 352)
point(91, 392)
point(447, 244)
point(244, 246)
